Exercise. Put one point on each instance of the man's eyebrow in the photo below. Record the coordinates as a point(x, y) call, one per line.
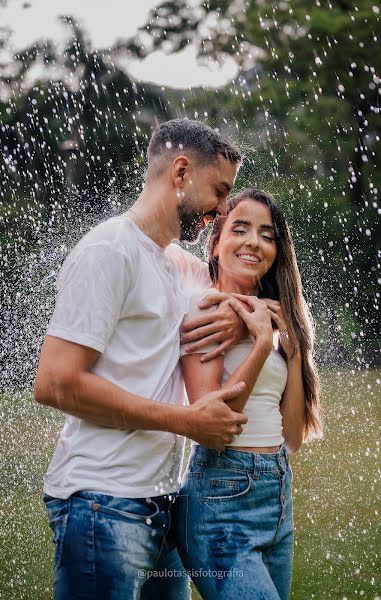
point(227, 185)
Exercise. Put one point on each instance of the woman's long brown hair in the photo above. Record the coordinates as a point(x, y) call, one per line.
point(283, 283)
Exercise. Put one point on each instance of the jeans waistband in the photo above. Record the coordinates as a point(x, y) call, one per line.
point(237, 459)
point(162, 501)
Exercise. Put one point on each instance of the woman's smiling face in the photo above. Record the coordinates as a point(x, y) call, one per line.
point(247, 247)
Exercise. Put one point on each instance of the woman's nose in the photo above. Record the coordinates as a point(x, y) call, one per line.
point(253, 240)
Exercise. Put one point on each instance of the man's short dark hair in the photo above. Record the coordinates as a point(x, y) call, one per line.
point(196, 137)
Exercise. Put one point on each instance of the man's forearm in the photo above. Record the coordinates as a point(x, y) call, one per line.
point(103, 403)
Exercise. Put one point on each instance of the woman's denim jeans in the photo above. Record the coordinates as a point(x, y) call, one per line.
point(234, 524)
point(111, 548)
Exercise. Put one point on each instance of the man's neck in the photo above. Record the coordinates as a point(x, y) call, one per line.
point(157, 218)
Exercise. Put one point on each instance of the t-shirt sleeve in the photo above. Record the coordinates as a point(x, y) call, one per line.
point(92, 286)
point(194, 312)
point(194, 272)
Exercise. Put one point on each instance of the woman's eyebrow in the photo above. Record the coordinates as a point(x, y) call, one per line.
point(248, 223)
point(241, 222)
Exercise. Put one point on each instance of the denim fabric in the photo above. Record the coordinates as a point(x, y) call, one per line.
point(234, 524)
point(110, 548)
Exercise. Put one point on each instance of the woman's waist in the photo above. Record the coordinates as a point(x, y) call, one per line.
point(255, 449)
point(251, 459)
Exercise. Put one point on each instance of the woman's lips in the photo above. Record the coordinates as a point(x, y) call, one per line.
point(249, 258)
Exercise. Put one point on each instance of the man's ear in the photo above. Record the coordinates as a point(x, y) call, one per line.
point(180, 166)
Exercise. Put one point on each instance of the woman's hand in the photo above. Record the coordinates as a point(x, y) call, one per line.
point(257, 318)
point(290, 346)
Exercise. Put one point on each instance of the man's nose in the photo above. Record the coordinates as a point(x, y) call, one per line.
point(222, 208)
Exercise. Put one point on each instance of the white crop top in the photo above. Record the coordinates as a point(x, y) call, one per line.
point(264, 425)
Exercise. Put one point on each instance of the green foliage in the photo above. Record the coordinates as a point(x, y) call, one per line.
point(308, 97)
point(75, 133)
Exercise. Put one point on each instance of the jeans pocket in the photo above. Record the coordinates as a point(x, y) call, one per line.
point(131, 509)
point(180, 523)
point(58, 514)
point(228, 488)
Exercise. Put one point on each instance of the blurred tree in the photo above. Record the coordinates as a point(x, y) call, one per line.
point(73, 126)
point(92, 104)
point(309, 88)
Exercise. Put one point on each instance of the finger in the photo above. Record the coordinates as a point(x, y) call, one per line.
point(214, 353)
point(200, 332)
point(206, 341)
point(237, 306)
point(212, 299)
point(270, 302)
point(278, 320)
point(198, 322)
point(241, 312)
point(246, 299)
point(240, 419)
point(242, 296)
point(272, 306)
point(232, 392)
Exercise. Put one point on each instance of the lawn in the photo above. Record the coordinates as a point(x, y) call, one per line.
point(336, 496)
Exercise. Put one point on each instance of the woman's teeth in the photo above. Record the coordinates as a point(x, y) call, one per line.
point(249, 258)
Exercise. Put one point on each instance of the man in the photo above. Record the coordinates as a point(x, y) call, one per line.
point(110, 363)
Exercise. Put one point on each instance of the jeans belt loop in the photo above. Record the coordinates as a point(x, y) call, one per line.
point(257, 466)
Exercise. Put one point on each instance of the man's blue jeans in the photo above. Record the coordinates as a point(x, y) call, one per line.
point(234, 525)
point(110, 548)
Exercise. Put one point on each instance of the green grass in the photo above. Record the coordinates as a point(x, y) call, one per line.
point(336, 496)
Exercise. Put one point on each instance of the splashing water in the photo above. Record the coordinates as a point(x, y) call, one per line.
point(73, 153)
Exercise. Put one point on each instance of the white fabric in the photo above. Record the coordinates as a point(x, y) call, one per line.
point(120, 293)
point(264, 425)
point(194, 273)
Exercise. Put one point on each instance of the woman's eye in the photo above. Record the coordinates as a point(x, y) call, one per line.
point(240, 231)
point(267, 237)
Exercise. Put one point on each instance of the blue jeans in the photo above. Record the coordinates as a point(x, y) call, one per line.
point(234, 524)
point(109, 548)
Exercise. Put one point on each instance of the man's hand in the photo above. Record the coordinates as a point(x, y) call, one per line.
point(211, 422)
point(223, 326)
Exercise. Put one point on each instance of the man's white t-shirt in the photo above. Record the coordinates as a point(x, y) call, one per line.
point(121, 294)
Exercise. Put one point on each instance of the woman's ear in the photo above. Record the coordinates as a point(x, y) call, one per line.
point(215, 251)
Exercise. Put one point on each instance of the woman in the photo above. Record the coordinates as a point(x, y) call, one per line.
point(234, 512)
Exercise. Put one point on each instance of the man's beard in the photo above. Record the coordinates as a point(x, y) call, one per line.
point(191, 224)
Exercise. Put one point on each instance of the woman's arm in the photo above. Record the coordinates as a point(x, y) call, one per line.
point(292, 406)
point(201, 378)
